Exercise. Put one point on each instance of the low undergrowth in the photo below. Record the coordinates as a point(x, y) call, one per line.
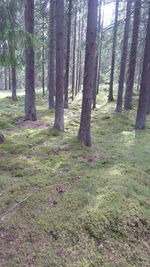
point(66, 205)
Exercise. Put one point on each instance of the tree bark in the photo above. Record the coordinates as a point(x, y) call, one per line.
point(68, 54)
point(14, 83)
point(78, 56)
point(97, 58)
point(124, 56)
point(51, 56)
point(81, 53)
point(110, 96)
point(148, 103)
point(30, 109)
point(133, 54)
point(74, 56)
point(145, 84)
point(84, 134)
point(43, 56)
point(5, 73)
point(100, 53)
point(59, 108)
point(9, 78)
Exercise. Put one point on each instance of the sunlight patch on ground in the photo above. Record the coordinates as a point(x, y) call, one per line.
point(128, 138)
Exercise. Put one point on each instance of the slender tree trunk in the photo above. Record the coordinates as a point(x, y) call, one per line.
point(14, 83)
point(148, 103)
point(110, 96)
point(145, 84)
point(68, 54)
point(100, 56)
point(78, 57)
point(13, 66)
point(30, 109)
point(59, 109)
point(9, 78)
point(84, 134)
point(5, 72)
point(124, 56)
point(97, 58)
point(133, 54)
point(43, 57)
point(80, 54)
point(51, 55)
point(74, 57)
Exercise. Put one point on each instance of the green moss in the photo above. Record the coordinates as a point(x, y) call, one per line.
point(88, 206)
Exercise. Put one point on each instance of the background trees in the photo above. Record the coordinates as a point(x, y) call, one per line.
point(31, 50)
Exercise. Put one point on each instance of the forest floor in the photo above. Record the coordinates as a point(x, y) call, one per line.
point(63, 204)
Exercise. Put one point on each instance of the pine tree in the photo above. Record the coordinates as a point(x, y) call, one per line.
point(145, 83)
point(133, 55)
point(84, 134)
point(124, 56)
point(110, 96)
point(59, 108)
point(51, 55)
point(30, 109)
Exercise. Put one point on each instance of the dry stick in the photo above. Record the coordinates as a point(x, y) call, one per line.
point(29, 196)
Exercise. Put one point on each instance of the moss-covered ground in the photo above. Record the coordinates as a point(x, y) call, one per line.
point(66, 205)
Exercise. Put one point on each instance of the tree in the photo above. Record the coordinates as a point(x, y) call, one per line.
point(84, 134)
point(110, 96)
point(145, 83)
point(51, 55)
point(74, 54)
point(30, 109)
point(124, 56)
point(68, 54)
point(59, 108)
point(97, 61)
point(133, 54)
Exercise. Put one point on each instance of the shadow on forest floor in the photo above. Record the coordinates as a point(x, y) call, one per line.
point(66, 205)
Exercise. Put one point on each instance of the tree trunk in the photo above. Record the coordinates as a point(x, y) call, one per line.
point(145, 84)
point(84, 134)
point(5, 72)
point(9, 78)
point(132, 59)
point(43, 58)
point(124, 56)
point(148, 103)
point(97, 58)
point(51, 55)
point(81, 54)
point(78, 57)
point(30, 109)
point(110, 97)
point(68, 54)
point(59, 109)
point(100, 53)
point(14, 83)
point(74, 56)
